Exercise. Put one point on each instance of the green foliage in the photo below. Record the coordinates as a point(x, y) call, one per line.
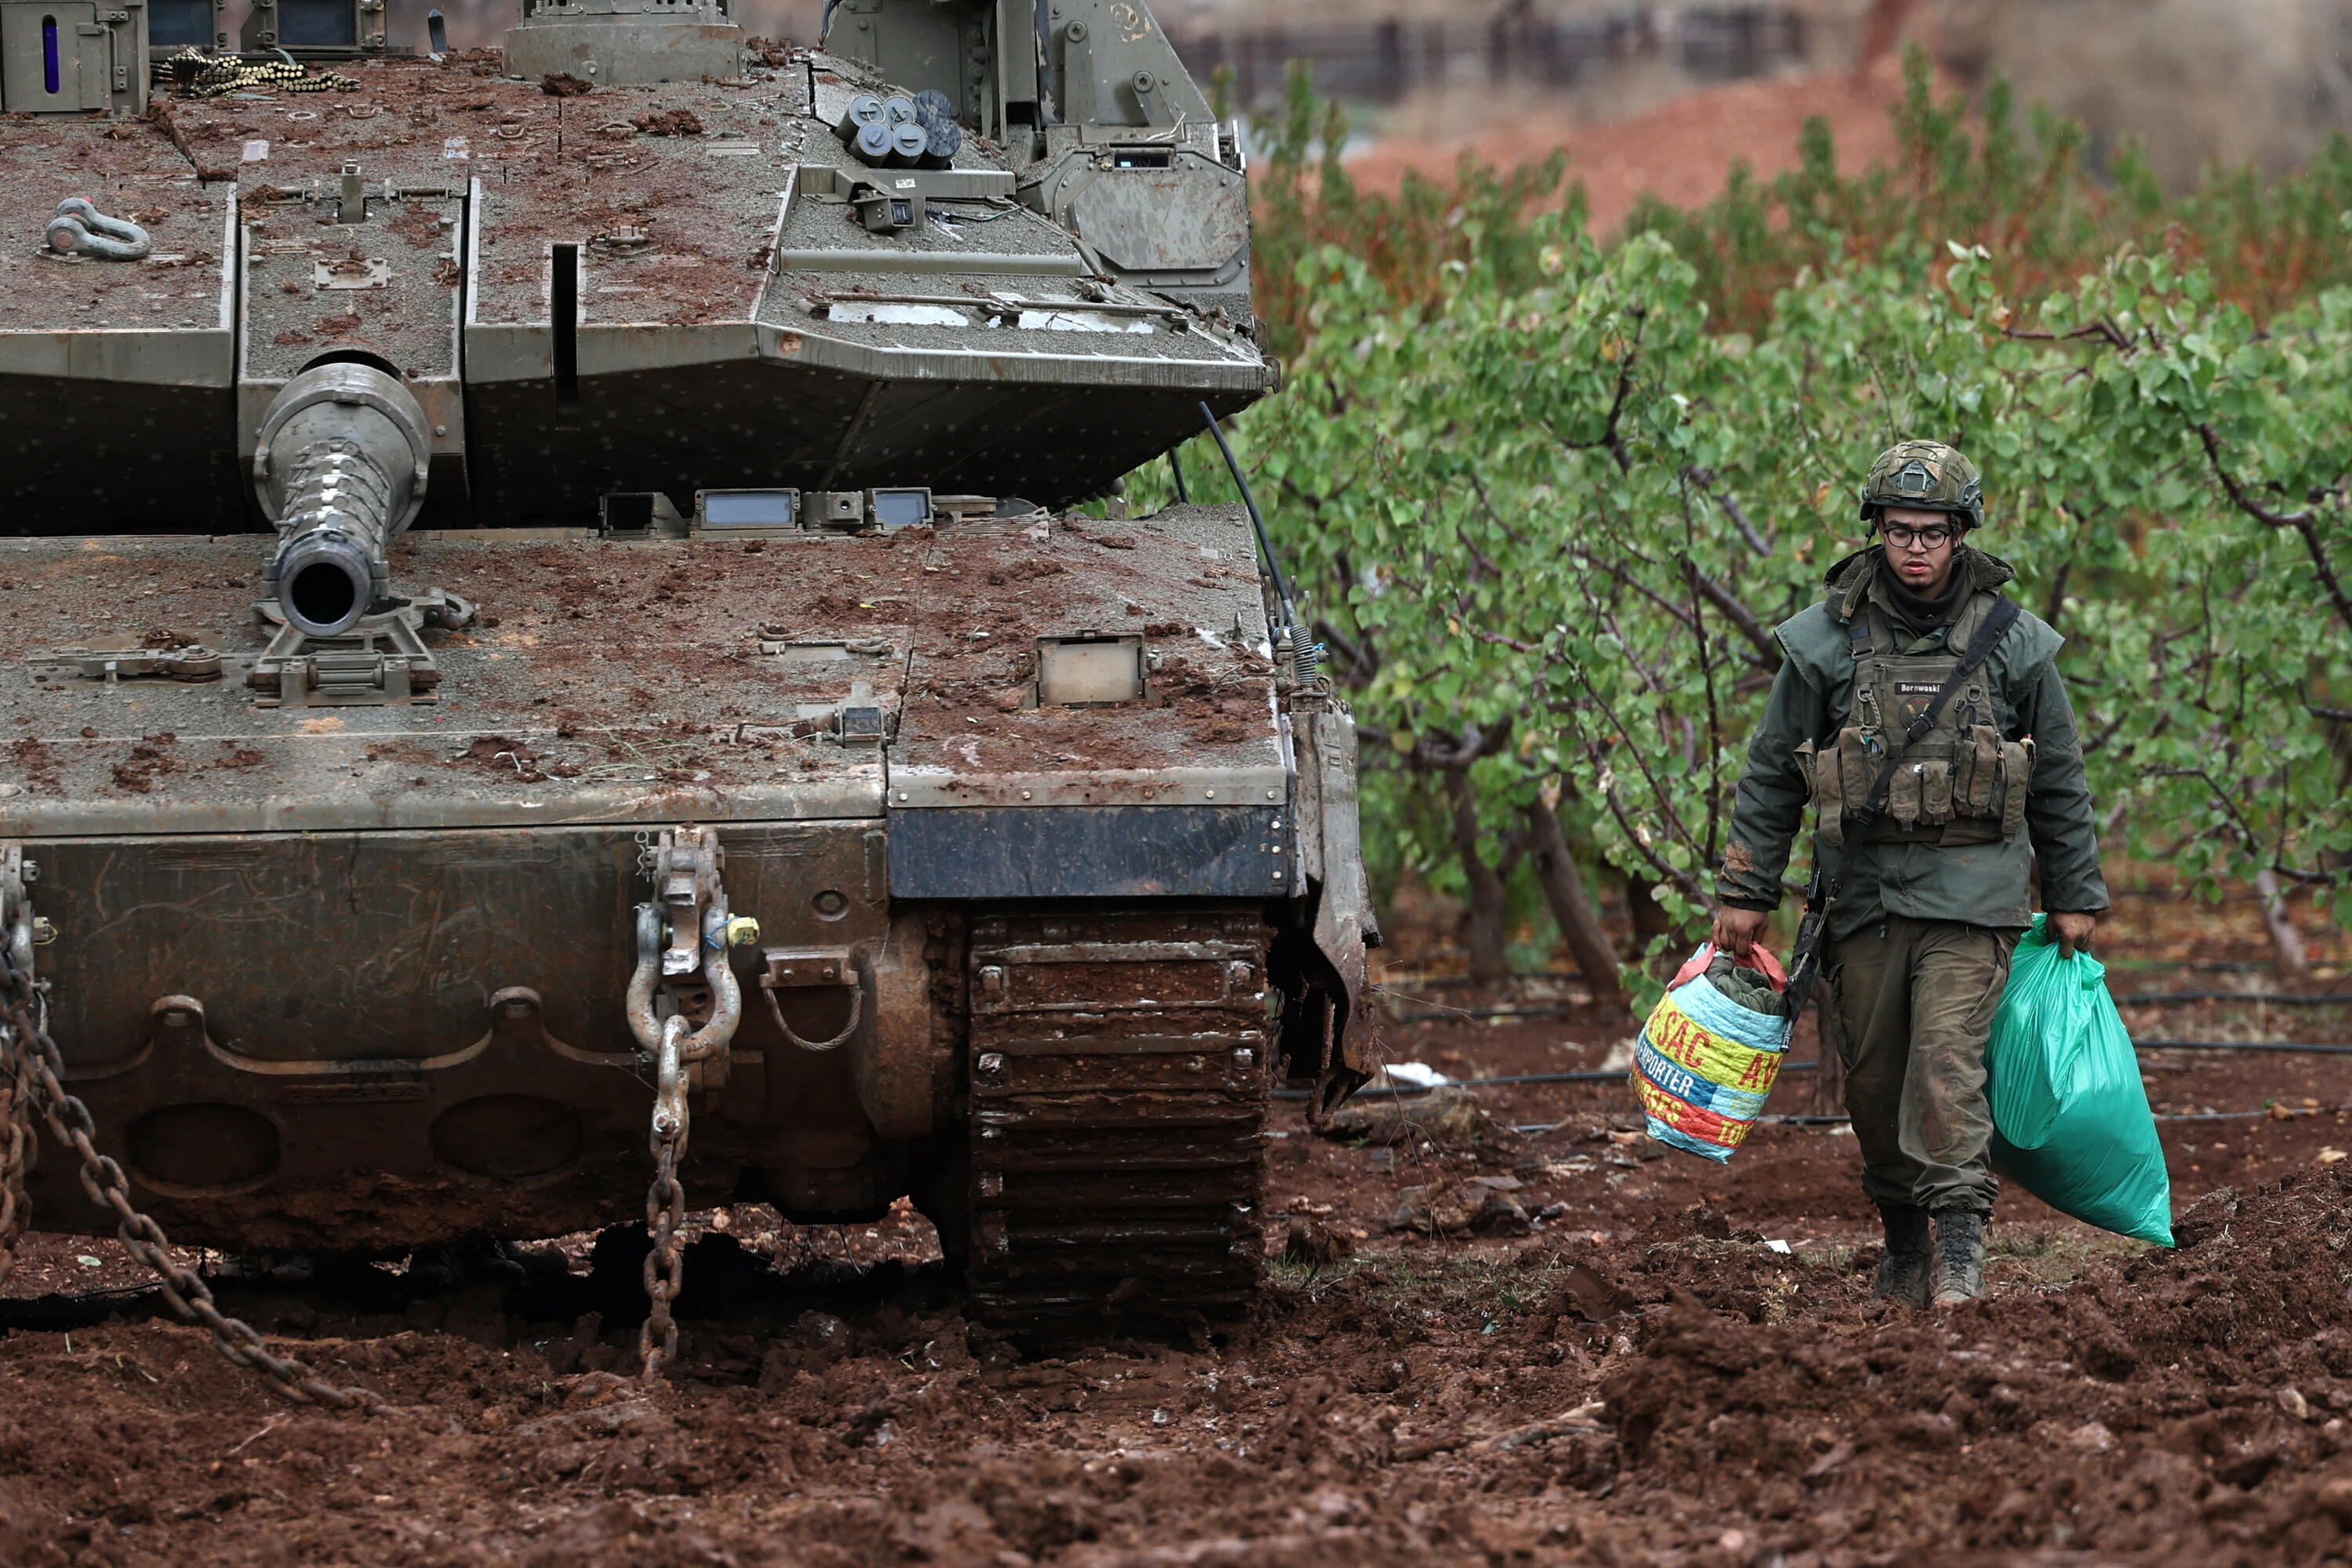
point(2026, 194)
point(2024, 186)
point(1546, 497)
point(1306, 200)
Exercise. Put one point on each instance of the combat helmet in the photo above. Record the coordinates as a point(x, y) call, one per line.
point(1928, 475)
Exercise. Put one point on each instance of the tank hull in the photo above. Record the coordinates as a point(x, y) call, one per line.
point(356, 977)
point(380, 1041)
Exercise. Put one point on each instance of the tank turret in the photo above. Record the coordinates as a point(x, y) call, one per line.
point(625, 43)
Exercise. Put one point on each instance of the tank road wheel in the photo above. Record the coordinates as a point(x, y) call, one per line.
point(1117, 1109)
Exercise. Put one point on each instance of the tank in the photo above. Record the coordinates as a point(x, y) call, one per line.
point(546, 637)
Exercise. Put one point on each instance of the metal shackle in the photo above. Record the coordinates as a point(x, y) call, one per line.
point(81, 229)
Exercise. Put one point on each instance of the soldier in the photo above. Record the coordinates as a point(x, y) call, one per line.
point(1926, 866)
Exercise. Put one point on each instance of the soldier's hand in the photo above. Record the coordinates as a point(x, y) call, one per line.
point(1736, 931)
point(2074, 932)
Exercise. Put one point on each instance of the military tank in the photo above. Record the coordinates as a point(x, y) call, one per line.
point(547, 647)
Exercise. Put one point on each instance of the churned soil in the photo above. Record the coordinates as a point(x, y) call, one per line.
point(1598, 1354)
point(1499, 1327)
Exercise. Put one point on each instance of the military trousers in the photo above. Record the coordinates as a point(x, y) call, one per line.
point(1914, 1001)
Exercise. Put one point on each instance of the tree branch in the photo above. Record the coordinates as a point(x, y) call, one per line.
point(1359, 661)
point(2305, 522)
point(2102, 329)
point(1737, 613)
point(1658, 600)
point(1610, 437)
point(2238, 494)
point(1705, 479)
point(1453, 754)
point(1636, 837)
point(1658, 791)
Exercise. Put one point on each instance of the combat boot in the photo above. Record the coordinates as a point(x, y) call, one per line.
point(1960, 1256)
point(1903, 1275)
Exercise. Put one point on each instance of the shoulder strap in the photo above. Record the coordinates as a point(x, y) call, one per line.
point(1995, 626)
point(1859, 642)
point(1802, 962)
point(1870, 631)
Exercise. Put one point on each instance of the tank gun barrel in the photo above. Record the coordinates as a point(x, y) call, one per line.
point(339, 469)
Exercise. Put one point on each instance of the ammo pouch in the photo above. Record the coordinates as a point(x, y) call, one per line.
point(1959, 783)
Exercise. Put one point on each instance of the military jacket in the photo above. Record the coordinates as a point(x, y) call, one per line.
point(1978, 878)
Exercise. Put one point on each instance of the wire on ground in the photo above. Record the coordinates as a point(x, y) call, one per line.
point(2275, 999)
point(1615, 1075)
point(2296, 1113)
point(1439, 1013)
point(1618, 1075)
point(2291, 1047)
point(1400, 1092)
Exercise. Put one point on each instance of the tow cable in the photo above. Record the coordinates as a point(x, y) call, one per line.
point(33, 1069)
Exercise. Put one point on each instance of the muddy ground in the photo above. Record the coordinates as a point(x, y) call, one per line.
point(1597, 1353)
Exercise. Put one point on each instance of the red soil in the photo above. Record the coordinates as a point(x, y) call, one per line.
point(1680, 151)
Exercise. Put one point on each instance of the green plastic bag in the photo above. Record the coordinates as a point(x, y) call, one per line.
point(2071, 1123)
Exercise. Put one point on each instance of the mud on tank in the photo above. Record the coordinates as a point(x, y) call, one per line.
point(564, 593)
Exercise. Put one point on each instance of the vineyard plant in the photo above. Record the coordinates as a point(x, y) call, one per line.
point(1547, 495)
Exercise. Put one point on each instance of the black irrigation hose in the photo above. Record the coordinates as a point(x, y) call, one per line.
point(2292, 1047)
point(1441, 1015)
point(1607, 1075)
point(2144, 999)
point(1619, 1075)
point(2299, 1115)
point(1446, 982)
point(1776, 1121)
point(2238, 1115)
point(1615, 1075)
point(1557, 1011)
point(2164, 998)
point(2136, 999)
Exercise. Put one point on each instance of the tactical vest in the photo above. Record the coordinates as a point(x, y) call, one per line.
point(1959, 783)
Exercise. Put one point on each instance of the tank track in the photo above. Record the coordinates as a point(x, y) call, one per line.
point(1117, 1107)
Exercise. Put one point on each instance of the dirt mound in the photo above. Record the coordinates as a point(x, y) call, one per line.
point(2177, 1398)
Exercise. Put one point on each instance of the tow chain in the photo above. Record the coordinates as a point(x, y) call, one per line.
point(16, 1152)
point(697, 927)
point(684, 933)
point(666, 1203)
point(29, 1058)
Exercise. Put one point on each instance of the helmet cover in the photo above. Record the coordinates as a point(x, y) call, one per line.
point(1926, 476)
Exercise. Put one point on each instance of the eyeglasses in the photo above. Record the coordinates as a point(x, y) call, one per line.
point(1904, 538)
